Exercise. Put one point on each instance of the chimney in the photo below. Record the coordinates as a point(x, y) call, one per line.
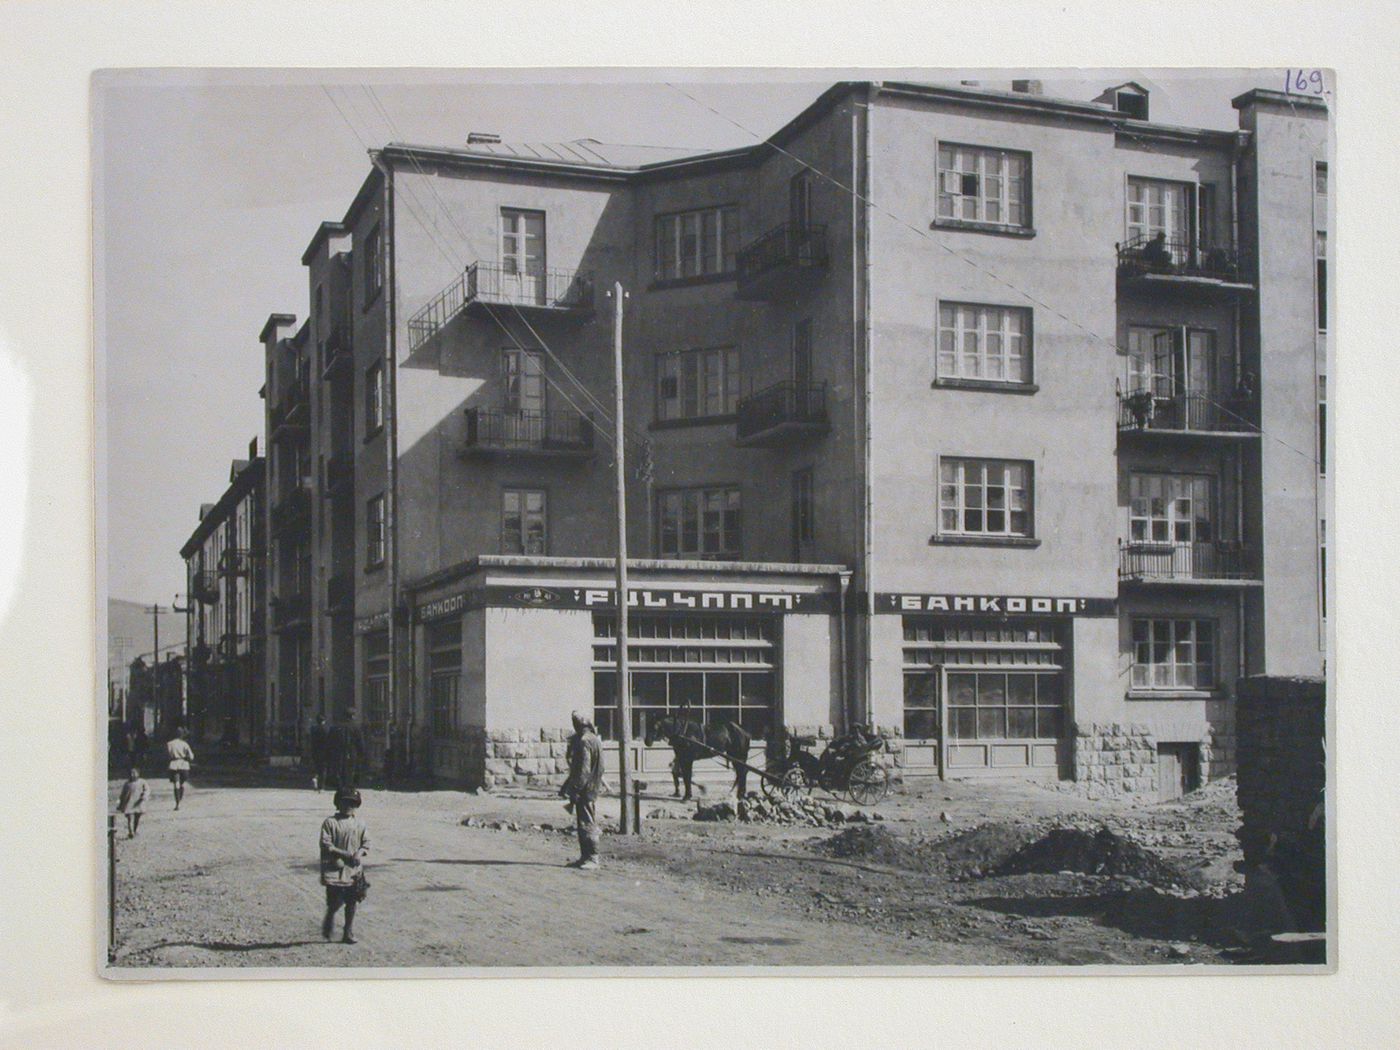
point(1026, 87)
point(253, 448)
point(204, 509)
point(483, 138)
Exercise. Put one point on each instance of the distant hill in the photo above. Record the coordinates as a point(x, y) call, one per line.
point(129, 634)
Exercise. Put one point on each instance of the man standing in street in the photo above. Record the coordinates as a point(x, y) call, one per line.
point(585, 754)
point(181, 755)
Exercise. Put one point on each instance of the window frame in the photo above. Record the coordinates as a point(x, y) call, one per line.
point(372, 270)
point(524, 517)
point(700, 494)
point(962, 508)
point(376, 533)
point(1149, 686)
point(667, 245)
point(1193, 482)
point(959, 353)
point(374, 399)
point(943, 194)
point(730, 383)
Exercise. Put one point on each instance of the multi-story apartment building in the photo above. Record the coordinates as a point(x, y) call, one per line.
point(983, 416)
point(225, 610)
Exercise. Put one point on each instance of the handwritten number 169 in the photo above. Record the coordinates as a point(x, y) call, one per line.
point(1303, 82)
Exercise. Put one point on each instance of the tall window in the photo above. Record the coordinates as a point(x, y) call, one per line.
point(984, 342)
point(693, 384)
point(1170, 508)
point(803, 511)
point(800, 199)
point(374, 398)
point(698, 523)
point(522, 241)
point(376, 676)
point(1320, 250)
point(373, 265)
point(1173, 654)
point(522, 377)
point(984, 185)
point(1172, 362)
point(523, 524)
point(1157, 206)
point(697, 243)
point(444, 644)
point(1322, 425)
point(984, 497)
point(1322, 566)
point(375, 532)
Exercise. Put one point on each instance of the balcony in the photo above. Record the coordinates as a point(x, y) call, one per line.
point(1161, 264)
point(1188, 563)
point(340, 594)
point(782, 413)
point(230, 644)
point(492, 432)
point(289, 415)
point(785, 260)
point(1142, 412)
point(339, 474)
point(236, 561)
point(292, 511)
point(204, 587)
point(291, 611)
point(484, 286)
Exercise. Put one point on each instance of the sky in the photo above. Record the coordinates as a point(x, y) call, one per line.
point(209, 185)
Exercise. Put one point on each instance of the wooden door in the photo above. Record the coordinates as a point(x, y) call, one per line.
point(522, 256)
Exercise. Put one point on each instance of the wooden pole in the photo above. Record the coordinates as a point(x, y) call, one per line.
point(624, 692)
point(111, 887)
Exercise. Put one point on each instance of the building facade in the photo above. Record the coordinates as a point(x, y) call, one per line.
point(985, 417)
point(225, 612)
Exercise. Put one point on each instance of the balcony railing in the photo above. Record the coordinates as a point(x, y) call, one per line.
point(782, 412)
point(290, 610)
point(781, 260)
point(340, 593)
point(1187, 562)
point(1141, 410)
point(204, 586)
point(491, 431)
point(292, 510)
point(236, 561)
point(289, 415)
point(558, 291)
point(1179, 257)
point(230, 643)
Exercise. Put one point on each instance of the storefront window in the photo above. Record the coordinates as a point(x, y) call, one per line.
point(444, 642)
point(376, 664)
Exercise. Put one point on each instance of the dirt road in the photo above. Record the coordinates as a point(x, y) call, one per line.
point(231, 880)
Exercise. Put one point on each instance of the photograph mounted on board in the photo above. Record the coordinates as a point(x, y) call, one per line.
point(606, 519)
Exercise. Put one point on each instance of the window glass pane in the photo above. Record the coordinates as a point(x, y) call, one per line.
point(991, 722)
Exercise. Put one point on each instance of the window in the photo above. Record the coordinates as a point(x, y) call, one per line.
point(1320, 250)
point(375, 533)
point(803, 511)
point(997, 705)
point(523, 381)
point(374, 265)
point(698, 523)
point(718, 667)
point(697, 243)
point(376, 676)
point(989, 343)
point(1173, 654)
point(522, 242)
point(523, 521)
point(1322, 425)
point(374, 399)
point(1170, 508)
point(1172, 362)
point(800, 199)
point(1322, 567)
point(444, 645)
point(1320, 179)
point(696, 384)
point(984, 185)
point(985, 497)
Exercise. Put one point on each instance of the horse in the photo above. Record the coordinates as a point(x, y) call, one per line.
point(728, 739)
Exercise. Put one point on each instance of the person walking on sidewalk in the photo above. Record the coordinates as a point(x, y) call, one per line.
point(181, 755)
point(585, 753)
point(344, 846)
point(132, 802)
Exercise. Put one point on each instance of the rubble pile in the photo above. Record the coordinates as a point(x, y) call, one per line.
point(809, 812)
point(1101, 852)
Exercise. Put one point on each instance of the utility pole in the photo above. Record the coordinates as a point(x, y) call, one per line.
point(624, 692)
point(155, 611)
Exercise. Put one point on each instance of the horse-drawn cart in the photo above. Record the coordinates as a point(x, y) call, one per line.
point(847, 767)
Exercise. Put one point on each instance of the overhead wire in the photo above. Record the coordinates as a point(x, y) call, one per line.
point(927, 235)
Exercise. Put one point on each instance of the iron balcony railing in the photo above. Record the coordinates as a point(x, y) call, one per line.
point(230, 643)
point(1141, 410)
point(236, 561)
point(1179, 257)
point(339, 592)
point(1146, 562)
point(798, 246)
point(504, 431)
point(204, 586)
point(492, 284)
point(782, 403)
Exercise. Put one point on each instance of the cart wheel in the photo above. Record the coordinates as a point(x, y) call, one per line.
point(772, 783)
point(794, 784)
point(868, 784)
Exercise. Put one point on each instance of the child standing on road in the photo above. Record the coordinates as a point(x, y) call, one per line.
point(344, 846)
point(133, 801)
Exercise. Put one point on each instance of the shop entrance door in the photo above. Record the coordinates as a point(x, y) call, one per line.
point(1178, 770)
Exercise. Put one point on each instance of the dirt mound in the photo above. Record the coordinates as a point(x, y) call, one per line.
point(789, 812)
point(1100, 852)
point(871, 843)
point(973, 852)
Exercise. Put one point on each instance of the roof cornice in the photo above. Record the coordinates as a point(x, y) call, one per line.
point(324, 232)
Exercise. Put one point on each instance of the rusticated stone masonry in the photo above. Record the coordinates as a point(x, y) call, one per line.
point(1113, 758)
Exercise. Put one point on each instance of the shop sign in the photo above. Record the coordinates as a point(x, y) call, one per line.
point(658, 599)
point(993, 605)
point(370, 624)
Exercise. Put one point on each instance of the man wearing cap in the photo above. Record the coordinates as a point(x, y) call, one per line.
point(344, 846)
point(585, 753)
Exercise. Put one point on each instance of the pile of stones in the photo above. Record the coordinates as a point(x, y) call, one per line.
point(809, 812)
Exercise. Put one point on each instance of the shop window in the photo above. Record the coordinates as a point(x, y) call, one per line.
point(697, 384)
point(698, 523)
point(1173, 654)
point(995, 705)
point(444, 645)
point(984, 497)
point(699, 243)
point(376, 676)
point(986, 343)
point(977, 184)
